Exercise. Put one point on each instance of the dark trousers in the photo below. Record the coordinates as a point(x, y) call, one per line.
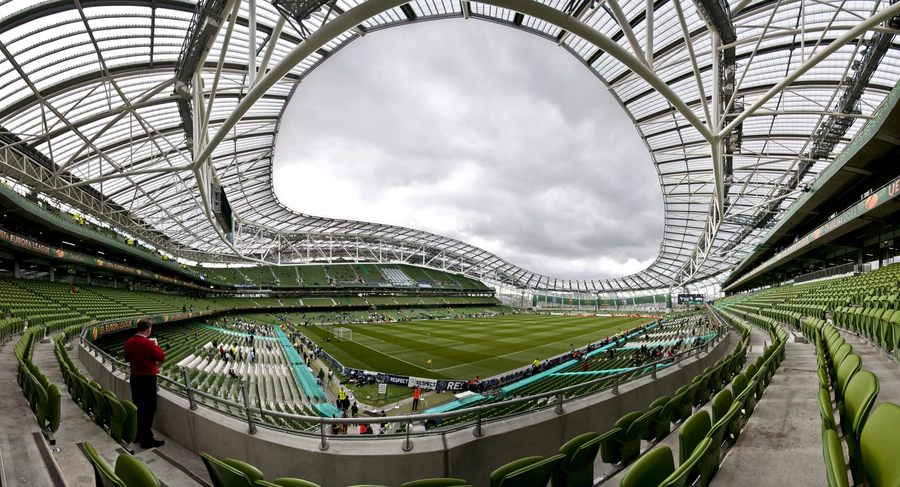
point(415, 405)
point(143, 394)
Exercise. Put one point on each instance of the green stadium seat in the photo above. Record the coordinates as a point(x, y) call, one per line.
point(860, 396)
point(651, 470)
point(104, 475)
point(880, 447)
point(134, 473)
point(692, 433)
point(682, 476)
point(53, 408)
point(640, 429)
point(609, 451)
point(525, 472)
point(576, 469)
point(621, 449)
point(118, 416)
point(835, 467)
point(287, 482)
point(826, 411)
point(129, 426)
point(437, 482)
point(738, 385)
point(662, 424)
point(686, 400)
point(230, 472)
point(720, 404)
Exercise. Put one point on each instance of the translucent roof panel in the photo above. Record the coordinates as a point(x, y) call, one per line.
point(89, 95)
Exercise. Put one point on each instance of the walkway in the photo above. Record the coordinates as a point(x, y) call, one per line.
point(782, 443)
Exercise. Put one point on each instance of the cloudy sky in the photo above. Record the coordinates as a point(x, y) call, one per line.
point(480, 133)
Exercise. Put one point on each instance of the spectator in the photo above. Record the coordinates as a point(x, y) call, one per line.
point(417, 393)
point(354, 410)
point(144, 355)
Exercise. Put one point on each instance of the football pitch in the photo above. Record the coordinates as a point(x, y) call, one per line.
point(465, 348)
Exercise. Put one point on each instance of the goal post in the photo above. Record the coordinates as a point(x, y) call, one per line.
point(342, 333)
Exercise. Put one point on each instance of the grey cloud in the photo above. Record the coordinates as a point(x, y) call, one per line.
point(481, 133)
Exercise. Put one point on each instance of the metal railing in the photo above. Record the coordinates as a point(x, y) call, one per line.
point(408, 425)
point(837, 270)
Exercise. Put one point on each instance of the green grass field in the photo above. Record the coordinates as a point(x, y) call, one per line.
point(460, 349)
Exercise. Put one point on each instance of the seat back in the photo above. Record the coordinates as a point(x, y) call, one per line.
point(104, 476)
point(536, 474)
point(880, 446)
point(840, 355)
point(289, 482)
point(117, 415)
point(577, 466)
point(692, 433)
point(682, 475)
point(720, 404)
point(848, 368)
point(609, 448)
point(629, 447)
point(652, 469)
point(499, 475)
point(835, 467)
point(860, 395)
point(738, 384)
point(442, 482)
point(134, 473)
point(226, 474)
point(826, 410)
point(129, 426)
point(640, 429)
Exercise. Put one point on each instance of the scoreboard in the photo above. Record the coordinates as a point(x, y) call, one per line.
point(690, 299)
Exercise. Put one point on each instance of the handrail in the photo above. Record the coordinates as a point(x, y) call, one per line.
point(560, 396)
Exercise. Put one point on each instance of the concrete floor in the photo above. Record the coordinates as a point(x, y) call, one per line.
point(781, 443)
point(172, 464)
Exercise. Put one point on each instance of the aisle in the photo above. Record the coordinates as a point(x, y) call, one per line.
point(781, 444)
point(19, 450)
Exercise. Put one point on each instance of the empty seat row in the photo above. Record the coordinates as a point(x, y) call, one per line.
point(846, 388)
point(43, 397)
point(702, 436)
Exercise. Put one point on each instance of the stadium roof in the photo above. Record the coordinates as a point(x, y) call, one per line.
point(129, 109)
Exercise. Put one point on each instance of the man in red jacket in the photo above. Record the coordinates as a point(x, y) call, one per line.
point(144, 355)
